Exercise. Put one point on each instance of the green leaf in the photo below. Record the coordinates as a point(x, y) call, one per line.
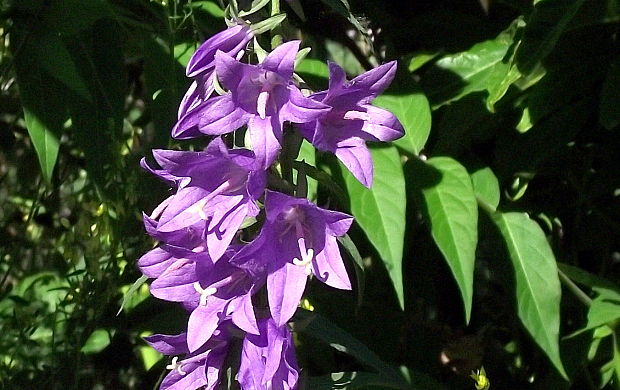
point(149, 356)
point(538, 288)
point(598, 284)
point(456, 75)
point(307, 154)
point(451, 210)
point(344, 57)
point(405, 100)
point(210, 7)
point(41, 97)
point(60, 65)
point(544, 27)
point(609, 114)
point(418, 60)
point(380, 211)
point(486, 186)
point(98, 124)
point(183, 52)
point(351, 248)
point(322, 329)
point(603, 311)
point(45, 143)
point(314, 72)
point(96, 342)
point(127, 297)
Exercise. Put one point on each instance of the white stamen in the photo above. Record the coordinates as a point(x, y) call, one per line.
point(204, 293)
point(356, 115)
point(175, 365)
point(261, 104)
point(199, 248)
point(199, 207)
point(306, 256)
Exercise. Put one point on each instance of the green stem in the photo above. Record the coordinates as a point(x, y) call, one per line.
point(572, 287)
point(485, 206)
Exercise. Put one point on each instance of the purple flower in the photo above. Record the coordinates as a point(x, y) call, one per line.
point(202, 64)
point(352, 120)
point(268, 359)
point(217, 189)
point(297, 239)
point(201, 368)
point(213, 293)
point(261, 96)
point(222, 292)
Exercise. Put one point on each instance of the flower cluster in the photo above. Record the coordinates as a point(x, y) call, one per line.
point(200, 261)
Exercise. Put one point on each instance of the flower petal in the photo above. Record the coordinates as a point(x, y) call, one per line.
point(337, 75)
point(168, 344)
point(227, 217)
point(203, 322)
point(230, 41)
point(328, 266)
point(338, 223)
point(301, 109)
point(382, 125)
point(218, 115)
point(183, 210)
point(282, 59)
point(251, 369)
point(194, 378)
point(358, 160)
point(266, 137)
point(243, 313)
point(154, 262)
point(373, 82)
point(285, 286)
point(176, 284)
point(229, 70)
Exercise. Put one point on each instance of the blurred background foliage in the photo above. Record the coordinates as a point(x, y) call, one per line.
point(513, 105)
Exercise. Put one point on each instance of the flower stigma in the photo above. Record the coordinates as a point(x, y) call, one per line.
point(175, 365)
point(353, 114)
point(204, 293)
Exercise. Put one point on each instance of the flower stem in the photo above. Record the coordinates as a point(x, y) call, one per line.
point(572, 287)
point(276, 37)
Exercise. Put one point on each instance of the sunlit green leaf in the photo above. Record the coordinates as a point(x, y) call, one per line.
point(183, 52)
point(45, 143)
point(538, 288)
point(314, 72)
point(128, 296)
point(405, 100)
point(96, 342)
point(456, 75)
point(449, 204)
point(307, 154)
point(380, 211)
point(603, 311)
point(486, 186)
